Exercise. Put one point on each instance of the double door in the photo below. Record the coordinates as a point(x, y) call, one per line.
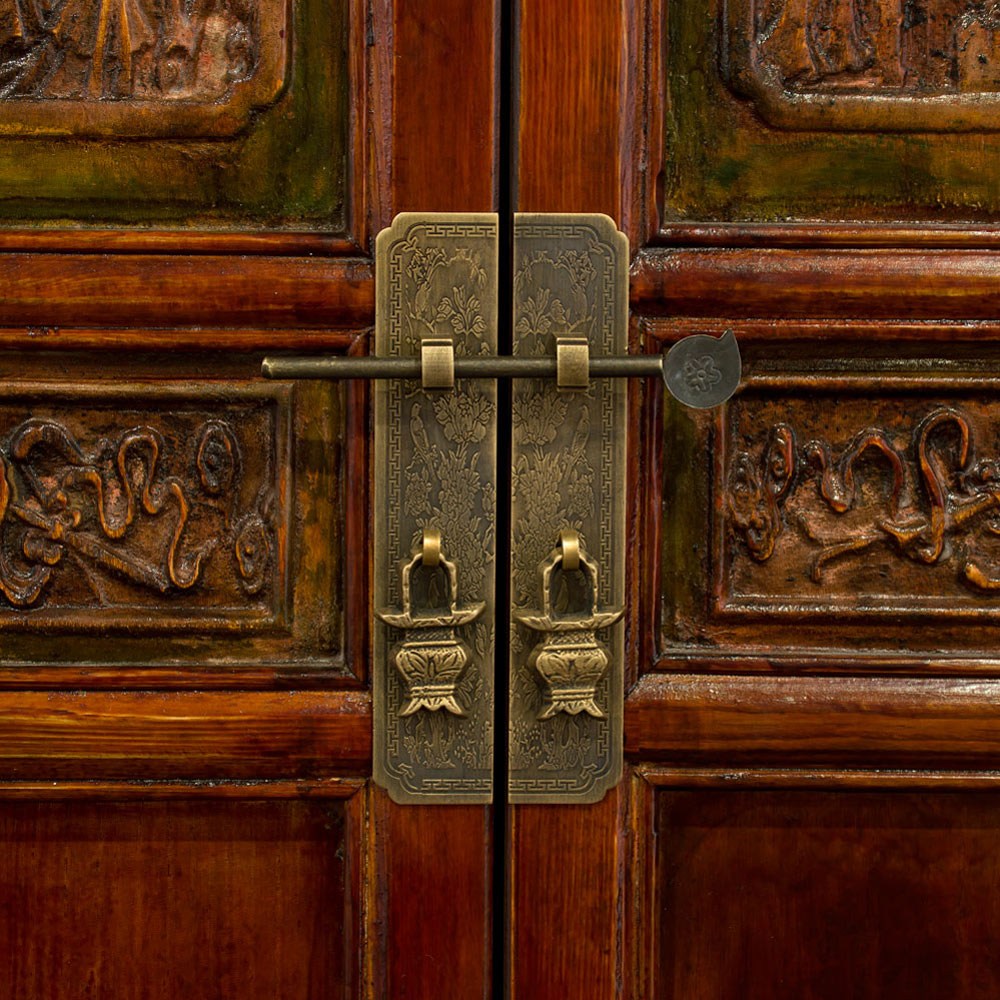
point(189, 601)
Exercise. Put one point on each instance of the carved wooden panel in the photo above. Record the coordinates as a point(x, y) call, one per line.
point(148, 506)
point(835, 501)
point(172, 523)
point(868, 64)
point(828, 110)
point(265, 80)
point(89, 67)
point(838, 511)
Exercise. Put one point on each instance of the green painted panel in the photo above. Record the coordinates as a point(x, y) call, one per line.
point(283, 169)
point(746, 144)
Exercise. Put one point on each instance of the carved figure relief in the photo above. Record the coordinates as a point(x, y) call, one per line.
point(814, 63)
point(914, 45)
point(59, 57)
point(108, 49)
point(927, 496)
point(135, 518)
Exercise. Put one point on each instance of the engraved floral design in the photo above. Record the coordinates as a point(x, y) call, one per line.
point(443, 290)
point(464, 417)
point(446, 294)
point(701, 373)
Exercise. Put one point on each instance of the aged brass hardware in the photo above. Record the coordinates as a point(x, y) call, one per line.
point(703, 371)
point(569, 657)
point(625, 366)
point(437, 363)
point(435, 483)
point(435, 499)
point(572, 362)
point(431, 659)
point(568, 452)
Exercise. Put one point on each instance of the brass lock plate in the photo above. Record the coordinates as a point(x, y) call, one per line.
point(435, 520)
point(567, 514)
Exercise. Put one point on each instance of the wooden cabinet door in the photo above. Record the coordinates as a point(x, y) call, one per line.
point(186, 807)
point(810, 806)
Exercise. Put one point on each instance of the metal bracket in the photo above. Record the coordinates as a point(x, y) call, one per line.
point(567, 482)
point(435, 492)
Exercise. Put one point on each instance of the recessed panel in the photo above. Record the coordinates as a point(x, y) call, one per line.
point(861, 110)
point(153, 518)
point(784, 895)
point(165, 900)
point(837, 513)
point(214, 115)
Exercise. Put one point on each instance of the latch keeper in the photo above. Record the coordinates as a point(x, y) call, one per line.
point(572, 362)
point(437, 363)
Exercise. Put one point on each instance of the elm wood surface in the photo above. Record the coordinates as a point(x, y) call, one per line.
point(419, 133)
point(86, 289)
point(115, 889)
point(857, 721)
point(825, 894)
point(163, 899)
point(911, 285)
point(79, 735)
point(567, 870)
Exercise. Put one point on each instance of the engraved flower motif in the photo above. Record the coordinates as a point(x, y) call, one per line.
point(461, 310)
point(579, 265)
point(418, 492)
point(423, 261)
point(538, 417)
point(701, 373)
point(464, 416)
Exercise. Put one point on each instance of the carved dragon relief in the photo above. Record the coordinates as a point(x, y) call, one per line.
point(117, 512)
point(936, 497)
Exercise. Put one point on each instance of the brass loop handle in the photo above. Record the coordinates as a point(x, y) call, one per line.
point(569, 544)
point(430, 547)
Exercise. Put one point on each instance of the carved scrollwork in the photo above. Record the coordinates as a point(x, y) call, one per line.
point(933, 499)
point(120, 510)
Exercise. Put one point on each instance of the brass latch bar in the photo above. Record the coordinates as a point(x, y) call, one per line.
point(629, 366)
point(700, 370)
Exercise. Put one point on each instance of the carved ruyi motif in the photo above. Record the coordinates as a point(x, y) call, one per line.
point(568, 467)
point(435, 469)
point(141, 67)
point(569, 657)
point(868, 64)
point(432, 658)
point(161, 515)
point(920, 492)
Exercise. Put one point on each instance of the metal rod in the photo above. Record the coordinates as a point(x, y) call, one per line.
point(631, 366)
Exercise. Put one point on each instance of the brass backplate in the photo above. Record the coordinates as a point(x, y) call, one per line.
point(435, 468)
point(567, 475)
